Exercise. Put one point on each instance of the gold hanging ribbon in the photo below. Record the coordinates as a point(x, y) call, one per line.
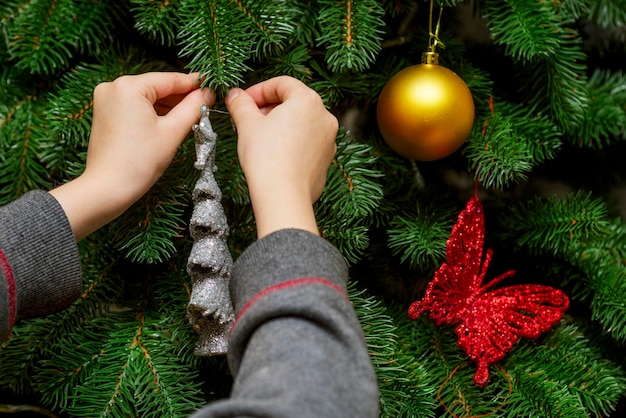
point(431, 56)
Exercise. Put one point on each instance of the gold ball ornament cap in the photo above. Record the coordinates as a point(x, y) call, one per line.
point(425, 112)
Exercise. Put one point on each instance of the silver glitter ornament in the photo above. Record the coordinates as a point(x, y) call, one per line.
point(209, 264)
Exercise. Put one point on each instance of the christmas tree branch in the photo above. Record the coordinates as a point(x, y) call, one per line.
point(352, 33)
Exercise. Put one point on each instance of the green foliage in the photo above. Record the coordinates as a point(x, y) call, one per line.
point(419, 237)
point(603, 280)
point(576, 231)
point(43, 36)
point(380, 339)
point(146, 232)
point(217, 43)
point(548, 53)
point(350, 198)
point(608, 13)
point(505, 147)
point(220, 36)
point(20, 166)
point(605, 117)
point(352, 33)
point(125, 347)
point(536, 39)
point(565, 375)
point(551, 225)
point(65, 124)
point(560, 374)
point(351, 190)
point(19, 367)
point(158, 19)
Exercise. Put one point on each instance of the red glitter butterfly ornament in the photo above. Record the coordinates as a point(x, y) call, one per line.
point(490, 322)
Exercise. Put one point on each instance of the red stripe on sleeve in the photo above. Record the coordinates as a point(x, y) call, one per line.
point(8, 274)
point(287, 285)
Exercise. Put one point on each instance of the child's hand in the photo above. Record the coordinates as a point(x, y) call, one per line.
point(138, 124)
point(285, 146)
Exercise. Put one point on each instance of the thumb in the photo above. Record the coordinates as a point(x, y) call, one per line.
point(241, 105)
point(179, 120)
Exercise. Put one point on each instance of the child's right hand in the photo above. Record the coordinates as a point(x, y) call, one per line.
point(286, 142)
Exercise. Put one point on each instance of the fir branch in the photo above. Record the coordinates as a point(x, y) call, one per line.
point(416, 388)
point(273, 22)
point(158, 19)
point(448, 374)
point(594, 271)
point(146, 231)
point(537, 396)
point(351, 191)
point(609, 13)
point(136, 361)
point(418, 239)
point(605, 118)
point(337, 88)
point(217, 40)
point(380, 338)
point(604, 276)
point(21, 169)
point(551, 225)
point(44, 35)
point(136, 376)
point(351, 33)
point(351, 242)
point(480, 84)
point(607, 305)
point(293, 62)
point(576, 231)
point(549, 53)
point(65, 125)
point(536, 130)
point(511, 141)
point(350, 197)
point(525, 28)
point(564, 376)
point(558, 84)
point(20, 367)
point(575, 9)
point(306, 30)
point(229, 175)
point(497, 154)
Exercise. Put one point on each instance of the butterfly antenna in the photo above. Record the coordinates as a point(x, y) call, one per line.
point(483, 272)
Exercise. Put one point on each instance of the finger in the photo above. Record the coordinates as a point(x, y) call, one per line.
point(164, 105)
point(241, 106)
point(185, 114)
point(155, 86)
point(276, 90)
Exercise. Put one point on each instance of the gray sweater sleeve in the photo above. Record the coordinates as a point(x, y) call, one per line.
point(296, 348)
point(40, 270)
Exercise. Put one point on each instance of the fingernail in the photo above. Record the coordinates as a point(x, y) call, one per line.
point(231, 95)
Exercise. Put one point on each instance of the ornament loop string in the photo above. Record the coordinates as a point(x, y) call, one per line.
point(223, 112)
point(453, 372)
point(434, 40)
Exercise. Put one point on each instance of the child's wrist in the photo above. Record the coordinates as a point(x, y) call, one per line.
point(90, 202)
point(283, 207)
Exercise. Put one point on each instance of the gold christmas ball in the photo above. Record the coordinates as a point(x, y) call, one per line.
point(425, 112)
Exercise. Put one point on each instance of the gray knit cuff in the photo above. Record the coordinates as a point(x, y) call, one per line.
point(278, 257)
point(39, 245)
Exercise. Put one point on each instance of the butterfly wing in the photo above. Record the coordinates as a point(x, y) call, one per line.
point(497, 319)
point(459, 277)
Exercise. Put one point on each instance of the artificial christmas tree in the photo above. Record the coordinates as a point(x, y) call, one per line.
point(550, 110)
